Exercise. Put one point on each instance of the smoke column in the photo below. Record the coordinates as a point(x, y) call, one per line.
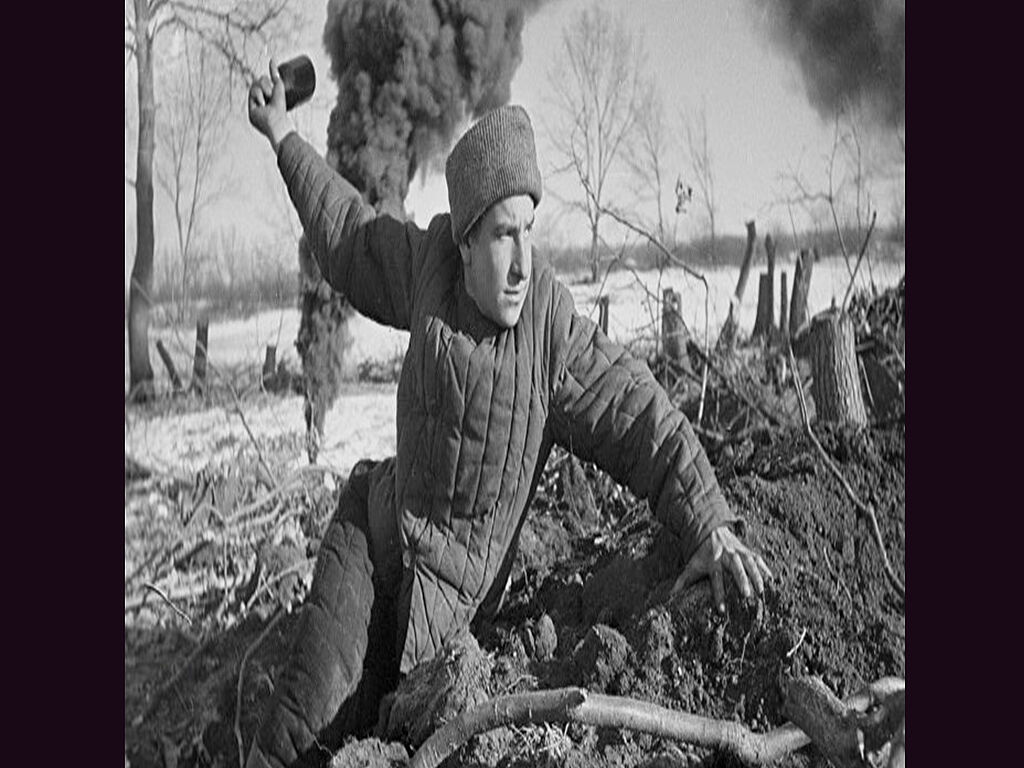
point(409, 72)
point(848, 51)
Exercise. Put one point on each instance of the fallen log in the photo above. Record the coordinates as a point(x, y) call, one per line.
point(578, 705)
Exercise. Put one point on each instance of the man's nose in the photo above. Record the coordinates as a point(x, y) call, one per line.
point(520, 267)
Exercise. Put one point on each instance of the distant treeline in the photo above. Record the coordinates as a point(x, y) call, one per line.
point(728, 250)
point(222, 287)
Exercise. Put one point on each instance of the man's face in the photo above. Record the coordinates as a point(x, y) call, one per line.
point(498, 260)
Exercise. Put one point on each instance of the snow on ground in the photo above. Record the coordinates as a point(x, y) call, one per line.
point(362, 423)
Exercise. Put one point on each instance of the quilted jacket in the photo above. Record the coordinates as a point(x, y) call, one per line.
point(479, 406)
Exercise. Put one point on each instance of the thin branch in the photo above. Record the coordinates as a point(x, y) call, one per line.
point(727, 381)
point(166, 599)
point(266, 585)
point(866, 509)
point(860, 256)
point(252, 437)
point(278, 614)
point(671, 257)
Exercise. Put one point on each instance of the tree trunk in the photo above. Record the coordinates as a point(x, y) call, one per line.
point(801, 289)
point(836, 386)
point(602, 314)
point(169, 365)
point(673, 332)
point(141, 289)
point(595, 267)
point(728, 334)
point(199, 361)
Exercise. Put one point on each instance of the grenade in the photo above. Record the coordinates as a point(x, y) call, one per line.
point(299, 79)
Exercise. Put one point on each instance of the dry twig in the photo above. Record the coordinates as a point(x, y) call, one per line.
point(860, 256)
point(727, 381)
point(866, 509)
point(294, 568)
point(278, 614)
point(163, 596)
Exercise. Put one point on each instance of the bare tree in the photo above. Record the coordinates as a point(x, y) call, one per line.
point(192, 136)
point(597, 90)
point(698, 151)
point(230, 27)
point(647, 156)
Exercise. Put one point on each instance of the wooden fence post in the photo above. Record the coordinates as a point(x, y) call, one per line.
point(199, 360)
point(602, 313)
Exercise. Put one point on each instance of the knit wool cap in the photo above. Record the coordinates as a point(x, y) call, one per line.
point(495, 159)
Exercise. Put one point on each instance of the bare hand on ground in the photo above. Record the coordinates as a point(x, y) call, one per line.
point(267, 111)
point(722, 550)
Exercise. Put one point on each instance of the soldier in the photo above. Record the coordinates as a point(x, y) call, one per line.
point(500, 368)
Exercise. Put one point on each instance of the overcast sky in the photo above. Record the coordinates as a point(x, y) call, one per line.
point(760, 123)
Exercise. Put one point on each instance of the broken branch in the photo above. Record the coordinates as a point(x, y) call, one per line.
point(580, 706)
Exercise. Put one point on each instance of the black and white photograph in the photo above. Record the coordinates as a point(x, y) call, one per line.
point(515, 383)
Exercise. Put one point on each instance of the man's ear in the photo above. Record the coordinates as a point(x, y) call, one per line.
point(464, 252)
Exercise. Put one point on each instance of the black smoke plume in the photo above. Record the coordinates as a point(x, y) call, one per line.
point(409, 73)
point(849, 51)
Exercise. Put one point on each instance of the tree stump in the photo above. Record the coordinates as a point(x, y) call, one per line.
point(783, 308)
point(169, 365)
point(764, 322)
point(801, 289)
point(673, 331)
point(728, 335)
point(836, 386)
point(269, 367)
point(602, 313)
point(199, 359)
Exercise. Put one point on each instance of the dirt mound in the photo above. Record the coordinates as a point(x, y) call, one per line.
point(590, 605)
point(828, 612)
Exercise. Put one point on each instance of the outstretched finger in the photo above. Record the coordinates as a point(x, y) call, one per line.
point(275, 76)
point(718, 588)
point(753, 572)
point(763, 566)
point(739, 574)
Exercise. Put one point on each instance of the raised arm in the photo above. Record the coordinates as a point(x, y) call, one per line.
point(607, 407)
point(371, 258)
